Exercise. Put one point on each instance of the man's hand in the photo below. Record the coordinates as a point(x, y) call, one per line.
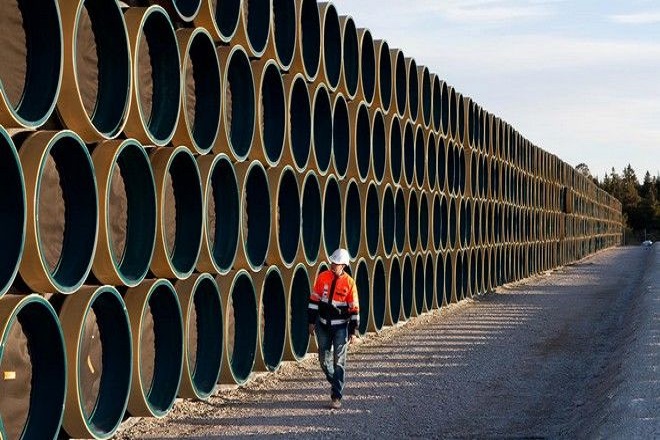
point(311, 329)
point(352, 339)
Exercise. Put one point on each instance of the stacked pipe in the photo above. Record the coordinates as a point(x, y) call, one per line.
point(176, 174)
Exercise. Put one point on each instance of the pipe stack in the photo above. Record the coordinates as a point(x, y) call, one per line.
point(175, 175)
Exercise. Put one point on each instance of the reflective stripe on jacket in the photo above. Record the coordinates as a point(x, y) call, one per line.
point(345, 306)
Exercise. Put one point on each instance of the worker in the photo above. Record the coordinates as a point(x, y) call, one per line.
point(333, 314)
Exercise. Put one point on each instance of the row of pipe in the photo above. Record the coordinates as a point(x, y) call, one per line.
point(175, 174)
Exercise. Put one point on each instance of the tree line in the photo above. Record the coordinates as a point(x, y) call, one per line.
point(640, 205)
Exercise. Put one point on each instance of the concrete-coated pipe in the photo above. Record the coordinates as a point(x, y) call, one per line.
point(341, 135)
point(62, 216)
point(220, 18)
point(400, 216)
point(255, 215)
point(253, 30)
point(157, 333)
point(413, 89)
point(332, 215)
point(371, 218)
point(394, 296)
point(409, 153)
point(395, 149)
point(271, 319)
point(331, 46)
point(350, 57)
point(201, 100)
point(412, 220)
point(34, 368)
point(360, 162)
point(399, 83)
point(420, 157)
point(377, 296)
point(299, 122)
point(407, 287)
point(431, 161)
point(286, 219)
point(321, 127)
point(352, 224)
point(201, 305)
point(284, 32)
point(425, 95)
point(99, 354)
point(13, 202)
point(241, 326)
point(424, 220)
point(221, 220)
point(362, 276)
point(378, 146)
point(387, 219)
point(308, 44)
point(298, 289)
point(367, 84)
point(31, 68)
point(239, 101)
point(127, 212)
point(383, 92)
point(96, 80)
point(156, 91)
point(311, 216)
point(419, 285)
point(180, 212)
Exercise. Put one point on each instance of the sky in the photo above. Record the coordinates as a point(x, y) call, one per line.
point(578, 78)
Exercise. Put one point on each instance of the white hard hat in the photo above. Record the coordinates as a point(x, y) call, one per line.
point(340, 256)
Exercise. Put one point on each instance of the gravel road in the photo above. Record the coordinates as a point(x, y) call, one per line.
point(572, 353)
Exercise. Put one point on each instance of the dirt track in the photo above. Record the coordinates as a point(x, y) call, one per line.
point(572, 354)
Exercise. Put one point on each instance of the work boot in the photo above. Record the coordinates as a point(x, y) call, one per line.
point(335, 404)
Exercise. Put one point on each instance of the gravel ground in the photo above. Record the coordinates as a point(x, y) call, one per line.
point(572, 353)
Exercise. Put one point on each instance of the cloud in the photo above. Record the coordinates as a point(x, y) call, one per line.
point(648, 17)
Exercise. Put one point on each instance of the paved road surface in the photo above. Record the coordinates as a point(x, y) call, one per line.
point(569, 354)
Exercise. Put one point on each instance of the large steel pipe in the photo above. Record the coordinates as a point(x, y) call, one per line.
point(419, 285)
point(362, 276)
point(96, 81)
point(286, 219)
point(429, 283)
point(340, 136)
point(407, 287)
point(377, 296)
point(439, 274)
point(360, 163)
point(387, 219)
point(127, 212)
point(394, 296)
point(241, 326)
point(180, 212)
point(439, 222)
point(284, 33)
point(157, 333)
point(352, 224)
point(221, 219)
point(62, 217)
point(322, 128)
point(395, 149)
point(31, 70)
point(449, 278)
point(370, 218)
point(383, 89)
point(308, 45)
point(367, 86)
point(201, 305)
point(156, 91)
point(180, 10)
point(441, 167)
point(409, 154)
point(400, 217)
point(332, 215)
point(331, 50)
point(399, 82)
point(201, 100)
point(220, 18)
point(270, 129)
point(299, 122)
point(431, 161)
point(13, 202)
point(238, 97)
point(255, 213)
point(311, 217)
point(351, 57)
point(420, 157)
point(34, 368)
point(271, 319)
point(412, 220)
point(254, 27)
point(423, 221)
point(99, 354)
point(378, 146)
point(298, 290)
point(413, 89)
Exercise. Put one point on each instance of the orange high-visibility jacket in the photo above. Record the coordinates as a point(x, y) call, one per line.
point(334, 300)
